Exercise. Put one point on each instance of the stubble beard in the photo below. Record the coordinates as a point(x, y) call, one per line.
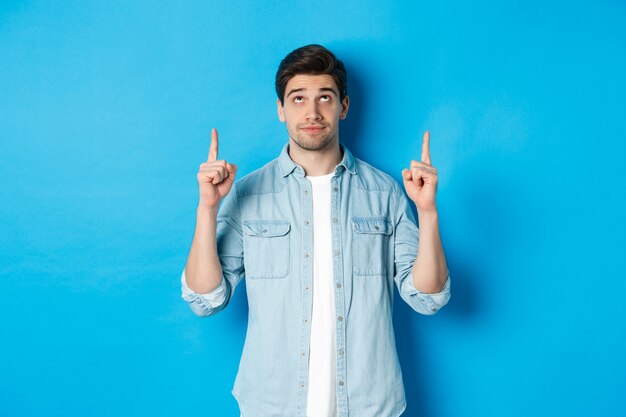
point(312, 143)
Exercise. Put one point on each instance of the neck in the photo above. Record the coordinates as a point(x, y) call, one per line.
point(314, 163)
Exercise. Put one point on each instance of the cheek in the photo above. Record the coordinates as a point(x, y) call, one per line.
point(290, 121)
point(293, 115)
point(332, 112)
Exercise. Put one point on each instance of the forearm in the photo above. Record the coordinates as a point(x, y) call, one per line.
point(203, 270)
point(430, 269)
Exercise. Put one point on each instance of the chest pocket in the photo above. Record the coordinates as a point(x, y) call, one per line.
point(370, 243)
point(266, 248)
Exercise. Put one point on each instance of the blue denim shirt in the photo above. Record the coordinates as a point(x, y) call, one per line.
point(265, 234)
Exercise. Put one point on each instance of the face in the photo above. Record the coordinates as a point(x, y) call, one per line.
point(312, 111)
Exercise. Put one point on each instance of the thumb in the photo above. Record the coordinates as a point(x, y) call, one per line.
point(231, 168)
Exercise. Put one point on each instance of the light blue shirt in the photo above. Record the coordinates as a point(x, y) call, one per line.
point(265, 234)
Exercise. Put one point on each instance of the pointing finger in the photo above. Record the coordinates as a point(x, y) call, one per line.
point(426, 148)
point(213, 147)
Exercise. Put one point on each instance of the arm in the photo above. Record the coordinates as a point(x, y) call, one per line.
point(429, 275)
point(202, 280)
point(408, 248)
point(430, 271)
point(203, 270)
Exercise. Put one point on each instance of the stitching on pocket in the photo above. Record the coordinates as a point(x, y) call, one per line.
point(370, 245)
point(267, 248)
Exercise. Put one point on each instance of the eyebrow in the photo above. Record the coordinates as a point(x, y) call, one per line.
point(297, 90)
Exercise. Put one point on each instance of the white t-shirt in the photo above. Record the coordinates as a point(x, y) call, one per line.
point(321, 400)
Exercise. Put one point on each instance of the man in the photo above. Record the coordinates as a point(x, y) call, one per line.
point(321, 237)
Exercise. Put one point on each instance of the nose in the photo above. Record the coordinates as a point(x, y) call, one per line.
point(313, 113)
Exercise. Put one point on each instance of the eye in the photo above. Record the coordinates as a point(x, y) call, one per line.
point(325, 98)
point(298, 99)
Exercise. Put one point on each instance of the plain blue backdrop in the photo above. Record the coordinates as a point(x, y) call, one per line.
point(105, 114)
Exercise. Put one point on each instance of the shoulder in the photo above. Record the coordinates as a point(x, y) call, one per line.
point(266, 179)
point(374, 179)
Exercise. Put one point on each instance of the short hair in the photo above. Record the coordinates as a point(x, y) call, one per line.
point(311, 60)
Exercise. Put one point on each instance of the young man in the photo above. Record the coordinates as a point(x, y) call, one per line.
point(321, 238)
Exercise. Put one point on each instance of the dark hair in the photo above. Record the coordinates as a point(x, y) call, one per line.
point(311, 60)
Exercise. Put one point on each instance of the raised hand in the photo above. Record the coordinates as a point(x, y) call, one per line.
point(215, 177)
point(420, 181)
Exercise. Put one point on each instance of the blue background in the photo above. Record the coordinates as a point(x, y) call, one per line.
point(105, 114)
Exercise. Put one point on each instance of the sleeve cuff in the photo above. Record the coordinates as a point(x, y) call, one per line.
point(214, 298)
point(433, 302)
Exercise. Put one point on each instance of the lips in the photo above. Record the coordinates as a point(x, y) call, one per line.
point(312, 129)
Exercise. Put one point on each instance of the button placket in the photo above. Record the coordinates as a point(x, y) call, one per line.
point(306, 281)
point(337, 260)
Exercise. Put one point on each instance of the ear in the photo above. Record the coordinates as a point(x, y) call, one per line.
point(281, 111)
point(345, 103)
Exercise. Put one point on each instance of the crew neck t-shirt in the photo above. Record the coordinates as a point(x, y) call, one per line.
point(321, 400)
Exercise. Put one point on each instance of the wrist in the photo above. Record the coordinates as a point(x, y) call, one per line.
point(206, 211)
point(431, 215)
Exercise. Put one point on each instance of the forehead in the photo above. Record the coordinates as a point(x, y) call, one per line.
point(310, 82)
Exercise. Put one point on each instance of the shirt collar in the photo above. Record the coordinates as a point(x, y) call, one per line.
point(287, 165)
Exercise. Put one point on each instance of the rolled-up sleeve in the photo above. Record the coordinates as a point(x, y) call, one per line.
point(229, 241)
point(406, 241)
point(203, 304)
point(422, 302)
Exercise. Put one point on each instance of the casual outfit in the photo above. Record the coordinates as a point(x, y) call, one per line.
point(320, 256)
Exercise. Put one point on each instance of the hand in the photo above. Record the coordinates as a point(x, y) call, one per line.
point(215, 177)
point(420, 181)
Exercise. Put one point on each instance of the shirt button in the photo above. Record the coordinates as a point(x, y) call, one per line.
point(376, 227)
point(306, 255)
point(341, 383)
point(338, 285)
point(340, 318)
point(336, 252)
point(306, 222)
point(301, 385)
point(335, 189)
point(340, 351)
point(334, 220)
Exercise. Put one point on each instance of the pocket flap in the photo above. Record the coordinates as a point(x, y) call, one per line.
point(372, 225)
point(266, 228)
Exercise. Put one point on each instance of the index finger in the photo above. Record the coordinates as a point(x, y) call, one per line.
point(426, 148)
point(213, 147)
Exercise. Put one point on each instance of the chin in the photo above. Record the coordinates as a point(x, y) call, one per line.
point(313, 145)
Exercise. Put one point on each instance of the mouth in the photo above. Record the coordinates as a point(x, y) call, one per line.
point(312, 129)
